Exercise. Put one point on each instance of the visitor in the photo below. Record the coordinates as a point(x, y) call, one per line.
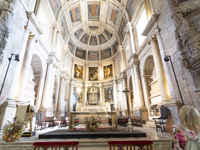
point(190, 123)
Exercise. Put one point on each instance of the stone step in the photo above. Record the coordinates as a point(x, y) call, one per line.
point(84, 145)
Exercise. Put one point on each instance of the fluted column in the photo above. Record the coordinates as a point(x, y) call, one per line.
point(132, 45)
point(165, 65)
point(162, 82)
point(26, 68)
point(61, 97)
point(139, 101)
point(13, 87)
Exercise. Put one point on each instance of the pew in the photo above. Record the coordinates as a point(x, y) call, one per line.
point(56, 145)
point(130, 145)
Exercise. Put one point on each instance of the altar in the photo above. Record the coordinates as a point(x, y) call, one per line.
point(113, 115)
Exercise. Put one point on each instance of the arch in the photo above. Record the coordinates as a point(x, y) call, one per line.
point(151, 84)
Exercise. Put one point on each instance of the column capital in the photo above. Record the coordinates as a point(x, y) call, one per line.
point(152, 38)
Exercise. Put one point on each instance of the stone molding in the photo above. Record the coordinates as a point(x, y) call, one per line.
point(151, 23)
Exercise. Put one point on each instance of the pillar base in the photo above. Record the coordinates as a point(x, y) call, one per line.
point(142, 112)
point(7, 112)
point(173, 107)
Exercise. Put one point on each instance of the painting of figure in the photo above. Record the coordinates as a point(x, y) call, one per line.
point(78, 72)
point(108, 71)
point(77, 95)
point(108, 94)
point(93, 73)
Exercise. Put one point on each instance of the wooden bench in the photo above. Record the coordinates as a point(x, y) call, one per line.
point(136, 120)
point(56, 145)
point(130, 145)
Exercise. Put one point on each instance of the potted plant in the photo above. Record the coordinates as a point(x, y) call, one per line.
point(92, 123)
point(12, 131)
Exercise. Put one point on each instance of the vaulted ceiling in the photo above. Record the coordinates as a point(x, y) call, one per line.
point(93, 29)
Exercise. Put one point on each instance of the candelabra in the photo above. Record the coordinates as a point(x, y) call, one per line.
point(129, 124)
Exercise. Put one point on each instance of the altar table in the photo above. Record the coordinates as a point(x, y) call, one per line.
point(72, 116)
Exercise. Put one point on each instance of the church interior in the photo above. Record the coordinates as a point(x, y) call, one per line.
point(122, 63)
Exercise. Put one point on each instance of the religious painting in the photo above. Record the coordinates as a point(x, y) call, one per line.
point(77, 95)
point(78, 72)
point(102, 39)
point(71, 47)
point(108, 71)
point(122, 29)
point(115, 47)
point(93, 10)
point(78, 33)
point(112, 16)
point(106, 54)
point(93, 73)
point(63, 28)
point(108, 34)
point(93, 40)
point(131, 8)
point(54, 5)
point(85, 38)
point(108, 94)
point(75, 15)
point(80, 53)
point(93, 55)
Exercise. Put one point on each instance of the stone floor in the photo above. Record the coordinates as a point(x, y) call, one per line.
point(161, 140)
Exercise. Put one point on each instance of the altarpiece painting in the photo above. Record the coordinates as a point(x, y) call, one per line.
point(108, 71)
point(78, 72)
point(93, 73)
point(108, 94)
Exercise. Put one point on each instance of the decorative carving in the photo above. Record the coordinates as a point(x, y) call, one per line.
point(5, 9)
point(187, 24)
point(3, 36)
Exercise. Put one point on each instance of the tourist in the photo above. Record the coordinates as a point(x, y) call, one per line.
point(190, 122)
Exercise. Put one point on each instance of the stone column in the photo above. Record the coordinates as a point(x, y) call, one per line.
point(165, 65)
point(139, 101)
point(100, 73)
point(39, 92)
point(71, 96)
point(86, 72)
point(122, 58)
point(115, 94)
point(54, 38)
point(102, 102)
point(26, 68)
point(85, 94)
point(60, 107)
point(13, 87)
point(132, 45)
point(162, 82)
point(57, 88)
point(47, 87)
